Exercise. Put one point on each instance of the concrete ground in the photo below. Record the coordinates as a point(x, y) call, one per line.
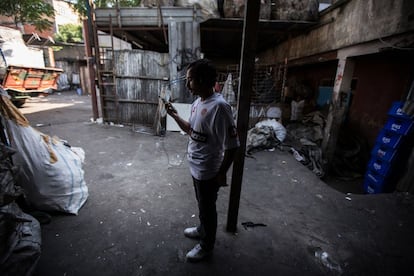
point(141, 198)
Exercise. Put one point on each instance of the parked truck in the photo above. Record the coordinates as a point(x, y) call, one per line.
point(22, 71)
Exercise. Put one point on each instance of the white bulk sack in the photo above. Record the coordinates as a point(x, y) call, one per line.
point(51, 172)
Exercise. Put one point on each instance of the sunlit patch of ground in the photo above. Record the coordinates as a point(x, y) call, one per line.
point(32, 105)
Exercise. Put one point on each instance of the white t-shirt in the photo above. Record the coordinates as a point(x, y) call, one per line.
point(212, 131)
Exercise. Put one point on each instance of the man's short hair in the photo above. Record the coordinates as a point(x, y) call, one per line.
point(203, 71)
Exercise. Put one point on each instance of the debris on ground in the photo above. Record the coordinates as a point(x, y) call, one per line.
point(251, 224)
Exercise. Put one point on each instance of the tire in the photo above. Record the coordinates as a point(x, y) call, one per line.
point(19, 103)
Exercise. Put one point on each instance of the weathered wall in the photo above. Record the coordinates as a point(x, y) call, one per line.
point(306, 10)
point(15, 50)
point(354, 22)
point(380, 80)
point(118, 44)
point(314, 75)
point(71, 58)
point(70, 52)
point(367, 26)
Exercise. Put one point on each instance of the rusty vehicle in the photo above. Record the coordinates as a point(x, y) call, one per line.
point(23, 82)
point(22, 68)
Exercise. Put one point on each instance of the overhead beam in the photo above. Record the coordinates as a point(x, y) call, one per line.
point(133, 16)
point(267, 26)
point(130, 28)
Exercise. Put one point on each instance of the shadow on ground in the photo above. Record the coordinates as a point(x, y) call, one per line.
point(141, 198)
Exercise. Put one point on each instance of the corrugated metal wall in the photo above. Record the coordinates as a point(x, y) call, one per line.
point(140, 76)
point(184, 47)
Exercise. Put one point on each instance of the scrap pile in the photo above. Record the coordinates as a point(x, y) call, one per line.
point(38, 174)
point(305, 138)
point(20, 238)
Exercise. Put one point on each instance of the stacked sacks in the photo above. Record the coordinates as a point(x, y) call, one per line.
point(20, 235)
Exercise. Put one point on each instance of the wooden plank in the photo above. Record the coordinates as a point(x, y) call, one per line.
point(337, 108)
point(175, 82)
point(142, 77)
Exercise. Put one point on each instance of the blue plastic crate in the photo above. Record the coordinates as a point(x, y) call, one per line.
point(397, 112)
point(383, 153)
point(373, 183)
point(371, 187)
point(397, 125)
point(379, 167)
point(389, 139)
point(375, 178)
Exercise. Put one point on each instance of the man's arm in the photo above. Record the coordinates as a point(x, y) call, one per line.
point(183, 124)
point(229, 155)
point(228, 158)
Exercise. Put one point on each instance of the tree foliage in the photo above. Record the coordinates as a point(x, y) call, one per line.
point(70, 33)
point(80, 5)
point(35, 12)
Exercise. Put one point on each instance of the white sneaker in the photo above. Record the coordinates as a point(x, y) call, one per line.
point(191, 233)
point(197, 254)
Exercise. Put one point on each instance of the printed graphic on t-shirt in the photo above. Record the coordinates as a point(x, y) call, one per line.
point(198, 136)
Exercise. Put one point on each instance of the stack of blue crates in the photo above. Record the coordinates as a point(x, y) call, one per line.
point(389, 151)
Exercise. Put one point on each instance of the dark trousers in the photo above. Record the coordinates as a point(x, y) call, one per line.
point(206, 194)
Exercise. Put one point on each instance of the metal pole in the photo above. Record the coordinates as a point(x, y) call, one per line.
point(89, 44)
point(249, 42)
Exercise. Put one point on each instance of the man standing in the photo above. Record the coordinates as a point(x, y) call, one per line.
point(211, 149)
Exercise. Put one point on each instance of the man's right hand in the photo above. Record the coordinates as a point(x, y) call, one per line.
point(184, 125)
point(171, 110)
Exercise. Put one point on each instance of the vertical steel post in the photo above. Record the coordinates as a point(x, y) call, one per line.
point(249, 42)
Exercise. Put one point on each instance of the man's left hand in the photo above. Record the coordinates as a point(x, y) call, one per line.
point(222, 179)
